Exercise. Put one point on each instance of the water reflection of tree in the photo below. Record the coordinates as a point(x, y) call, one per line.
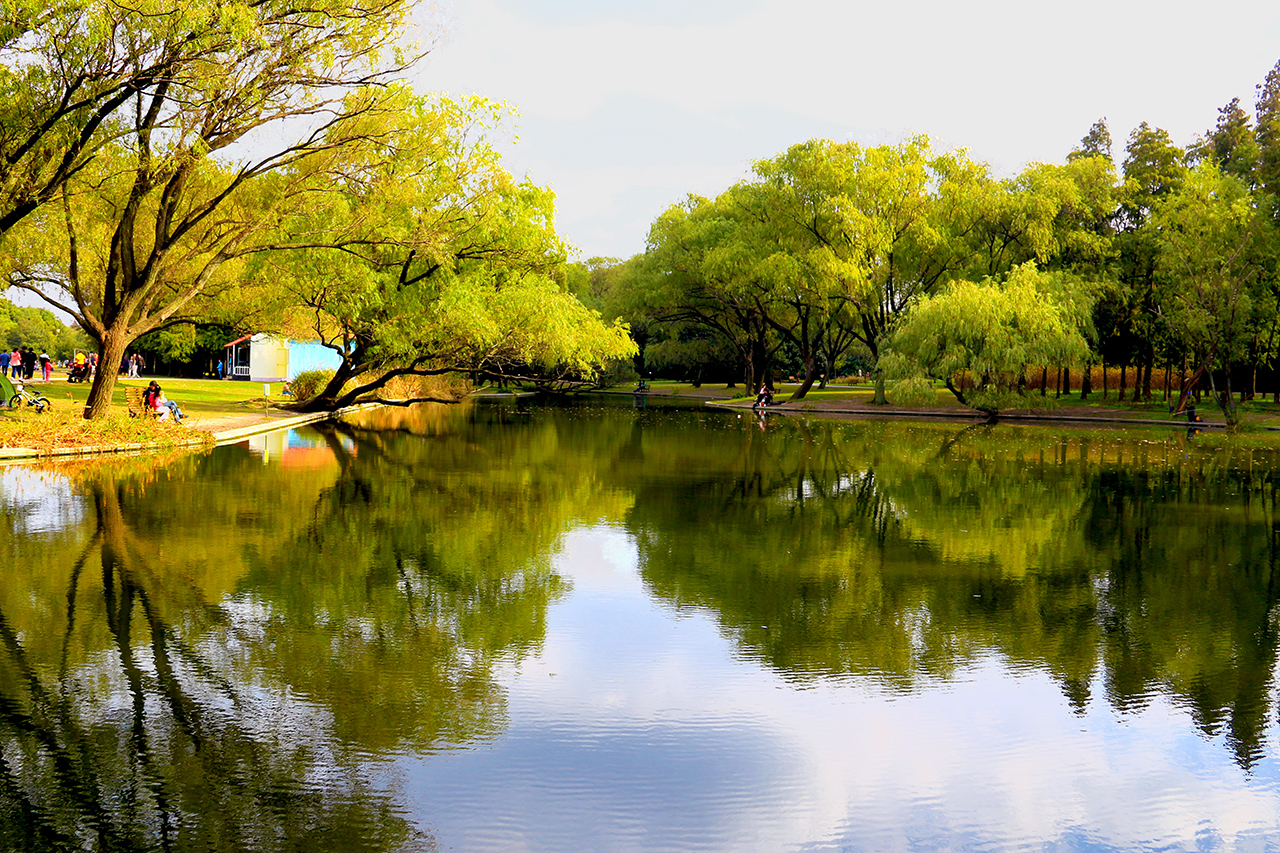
point(235, 642)
point(140, 735)
point(901, 553)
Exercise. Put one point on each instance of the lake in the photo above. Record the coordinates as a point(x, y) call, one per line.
point(597, 627)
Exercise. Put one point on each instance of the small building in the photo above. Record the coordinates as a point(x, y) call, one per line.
point(267, 358)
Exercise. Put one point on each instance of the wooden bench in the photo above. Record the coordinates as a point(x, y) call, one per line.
point(138, 407)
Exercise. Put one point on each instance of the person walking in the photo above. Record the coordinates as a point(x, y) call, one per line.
point(29, 363)
point(4, 363)
point(46, 365)
point(15, 363)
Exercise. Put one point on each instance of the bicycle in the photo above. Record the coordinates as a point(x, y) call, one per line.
point(41, 402)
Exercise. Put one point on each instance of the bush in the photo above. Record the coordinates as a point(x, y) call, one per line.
point(309, 383)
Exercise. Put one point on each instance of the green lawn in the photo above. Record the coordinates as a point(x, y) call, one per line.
point(196, 397)
point(65, 425)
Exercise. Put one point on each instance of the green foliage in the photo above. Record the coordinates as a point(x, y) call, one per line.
point(1268, 137)
point(992, 330)
point(1231, 144)
point(1095, 143)
point(309, 383)
point(141, 140)
point(1210, 248)
point(438, 261)
point(39, 329)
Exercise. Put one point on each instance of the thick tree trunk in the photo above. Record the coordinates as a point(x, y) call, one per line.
point(1044, 381)
point(1124, 370)
point(1146, 375)
point(329, 397)
point(110, 350)
point(1104, 380)
point(810, 374)
point(1066, 381)
point(1086, 384)
point(879, 399)
point(1229, 410)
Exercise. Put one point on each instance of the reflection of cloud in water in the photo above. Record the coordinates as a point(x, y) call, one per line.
point(637, 730)
point(38, 501)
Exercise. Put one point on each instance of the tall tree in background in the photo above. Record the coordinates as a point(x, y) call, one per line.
point(1230, 144)
point(1208, 246)
point(1268, 137)
point(1126, 320)
point(1095, 143)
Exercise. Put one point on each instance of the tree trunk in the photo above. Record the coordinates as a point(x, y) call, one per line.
point(1146, 376)
point(810, 374)
point(328, 398)
point(1066, 381)
point(1104, 380)
point(110, 350)
point(1044, 381)
point(1124, 369)
point(879, 399)
point(1086, 384)
point(1229, 410)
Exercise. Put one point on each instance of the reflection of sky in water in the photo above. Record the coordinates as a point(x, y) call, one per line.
point(641, 729)
point(38, 501)
point(304, 442)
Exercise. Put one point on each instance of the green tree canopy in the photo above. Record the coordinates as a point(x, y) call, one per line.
point(993, 330)
point(436, 260)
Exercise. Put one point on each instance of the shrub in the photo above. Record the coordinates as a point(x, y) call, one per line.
point(309, 383)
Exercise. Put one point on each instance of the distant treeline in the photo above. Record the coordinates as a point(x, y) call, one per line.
point(919, 266)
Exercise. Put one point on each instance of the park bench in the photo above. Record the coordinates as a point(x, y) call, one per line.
point(138, 407)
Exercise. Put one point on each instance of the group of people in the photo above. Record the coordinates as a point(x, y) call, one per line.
point(22, 362)
point(130, 365)
point(83, 366)
point(153, 398)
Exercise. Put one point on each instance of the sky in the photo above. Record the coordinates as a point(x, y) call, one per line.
point(627, 106)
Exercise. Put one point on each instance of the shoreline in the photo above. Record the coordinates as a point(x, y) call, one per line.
point(1067, 415)
point(199, 438)
point(839, 409)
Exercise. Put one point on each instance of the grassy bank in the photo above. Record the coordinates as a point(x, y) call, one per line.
point(203, 400)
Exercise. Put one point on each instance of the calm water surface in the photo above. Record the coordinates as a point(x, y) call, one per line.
point(601, 628)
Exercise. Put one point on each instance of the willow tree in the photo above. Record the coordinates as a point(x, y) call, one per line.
point(174, 171)
point(427, 257)
point(993, 330)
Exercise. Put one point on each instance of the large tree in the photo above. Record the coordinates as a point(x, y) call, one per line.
point(428, 258)
point(186, 166)
point(993, 330)
point(1209, 244)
